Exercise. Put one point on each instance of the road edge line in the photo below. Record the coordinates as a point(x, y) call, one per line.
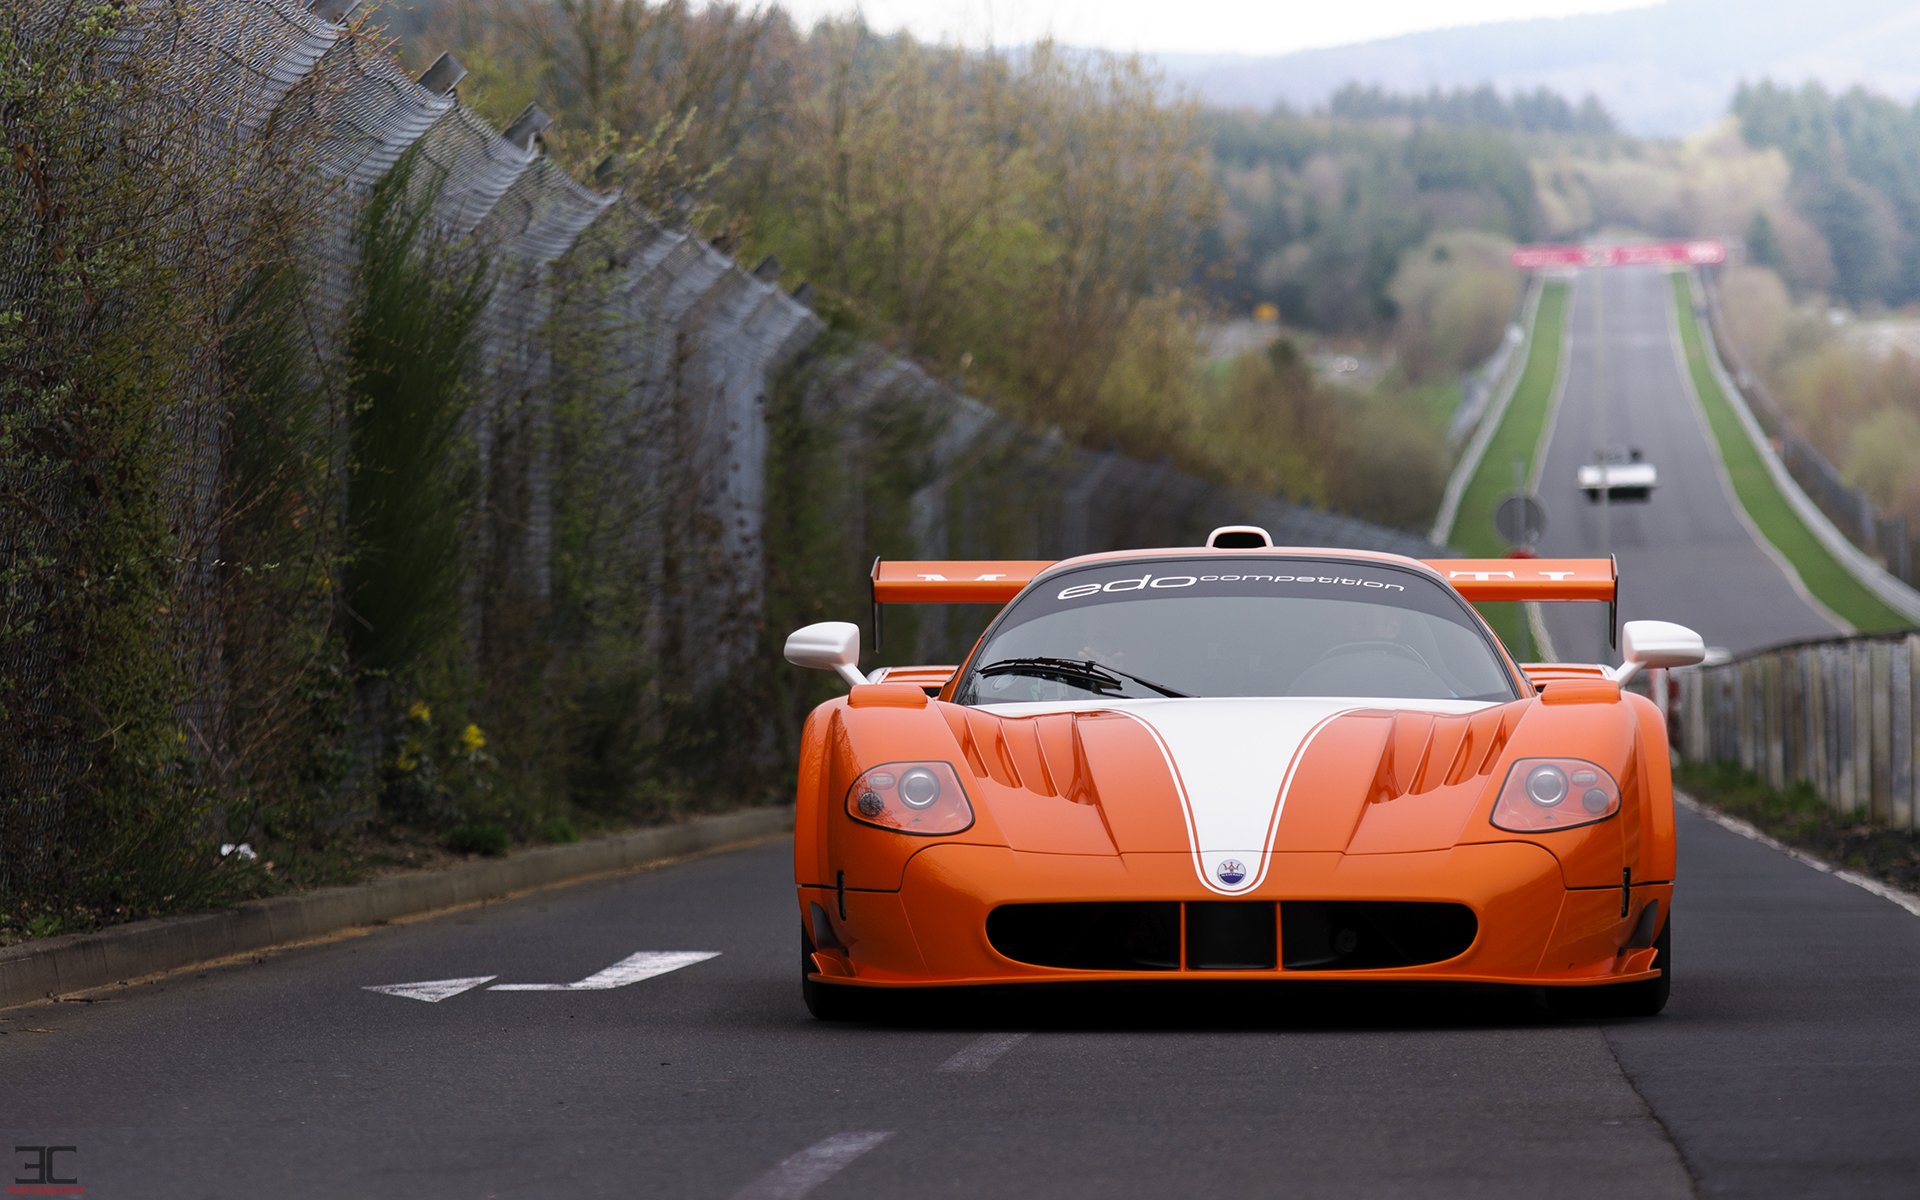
point(1753, 833)
point(52, 967)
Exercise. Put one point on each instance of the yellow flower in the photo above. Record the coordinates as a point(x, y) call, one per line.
point(473, 739)
point(419, 711)
point(405, 761)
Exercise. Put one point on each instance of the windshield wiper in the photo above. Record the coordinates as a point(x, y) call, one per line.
point(1081, 671)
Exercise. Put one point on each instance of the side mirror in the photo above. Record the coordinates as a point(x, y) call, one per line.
point(1657, 644)
point(828, 646)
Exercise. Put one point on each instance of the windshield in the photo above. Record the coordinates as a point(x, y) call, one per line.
point(1236, 627)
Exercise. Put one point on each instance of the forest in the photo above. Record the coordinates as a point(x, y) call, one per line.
point(1058, 229)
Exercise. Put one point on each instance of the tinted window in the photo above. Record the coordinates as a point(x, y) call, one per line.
point(1240, 627)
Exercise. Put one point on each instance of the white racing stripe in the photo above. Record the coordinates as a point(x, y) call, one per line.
point(1231, 763)
point(1906, 900)
point(981, 1053)
point(800, 1173)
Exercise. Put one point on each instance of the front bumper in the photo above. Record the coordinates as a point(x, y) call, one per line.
point(1531, 930)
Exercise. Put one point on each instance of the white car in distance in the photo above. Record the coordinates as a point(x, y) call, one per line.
point(1619, 474)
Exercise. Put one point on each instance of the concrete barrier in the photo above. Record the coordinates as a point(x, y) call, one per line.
point(57, 966)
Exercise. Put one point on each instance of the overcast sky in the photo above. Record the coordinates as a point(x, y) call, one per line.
point(1226, 26)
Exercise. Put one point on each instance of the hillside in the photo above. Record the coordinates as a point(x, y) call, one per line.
point(1662, 71)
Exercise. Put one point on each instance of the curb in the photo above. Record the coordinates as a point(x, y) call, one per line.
point(39, 969)
point(1753, 833)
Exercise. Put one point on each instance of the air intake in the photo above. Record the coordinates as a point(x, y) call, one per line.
point(1336, 935)
point(1239, 537)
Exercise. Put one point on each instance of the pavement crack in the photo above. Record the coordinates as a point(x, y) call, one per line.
point(1652, 1114)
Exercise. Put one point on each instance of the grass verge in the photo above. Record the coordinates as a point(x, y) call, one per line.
point(1518, 437)
point(1830, 582)
point(1800, 818)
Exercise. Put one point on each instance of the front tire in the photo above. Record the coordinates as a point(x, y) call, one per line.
point(1625, 1000)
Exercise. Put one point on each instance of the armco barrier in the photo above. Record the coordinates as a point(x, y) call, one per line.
point(1877, 550)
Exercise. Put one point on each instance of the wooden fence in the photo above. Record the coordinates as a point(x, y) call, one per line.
point(1837, 714)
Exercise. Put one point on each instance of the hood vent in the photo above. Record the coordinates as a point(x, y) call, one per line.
point(1042, 754)
point(1425, 751)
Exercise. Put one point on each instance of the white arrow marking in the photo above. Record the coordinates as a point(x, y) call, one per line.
point(632, 969)
point(433, 991)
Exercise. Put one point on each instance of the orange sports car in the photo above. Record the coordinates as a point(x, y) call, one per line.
point(1238, 761)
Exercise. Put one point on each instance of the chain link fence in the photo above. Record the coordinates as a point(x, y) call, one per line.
point(686, 378)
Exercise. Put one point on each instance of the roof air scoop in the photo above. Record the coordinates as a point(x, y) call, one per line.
point(1239, 537)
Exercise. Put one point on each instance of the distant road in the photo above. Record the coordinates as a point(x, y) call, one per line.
point(1686, 555)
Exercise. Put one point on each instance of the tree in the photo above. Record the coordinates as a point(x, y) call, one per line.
point(1763, 244)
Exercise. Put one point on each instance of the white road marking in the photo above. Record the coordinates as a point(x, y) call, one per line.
point(433, 991)
point(981, 1053)
point(800, 1173)
point(632, 969)
point(1906, 900)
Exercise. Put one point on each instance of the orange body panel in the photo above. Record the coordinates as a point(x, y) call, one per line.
point(1084, 804)
point(1532, 928)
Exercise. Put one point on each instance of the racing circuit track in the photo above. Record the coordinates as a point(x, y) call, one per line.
point(1687, 554)
point(1783, 1066)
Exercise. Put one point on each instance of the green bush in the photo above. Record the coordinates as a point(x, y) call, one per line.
point(116, 764)
point(412, 356)
point(490, 840)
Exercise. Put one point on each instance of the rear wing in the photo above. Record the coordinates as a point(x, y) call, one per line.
point(952, 582)
point(1489, 579)
point(1499, 579)
point(984, 582)
point(1495, 580)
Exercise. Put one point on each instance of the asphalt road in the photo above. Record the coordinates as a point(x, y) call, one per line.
point(1687, 554)
point(1783, 1067)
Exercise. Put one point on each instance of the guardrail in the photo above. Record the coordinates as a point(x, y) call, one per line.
point(1497, 375)
point(1837, 714)
point(1480, 413)
point(1882, 551)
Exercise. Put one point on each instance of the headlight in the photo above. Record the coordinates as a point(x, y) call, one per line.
point(921, 798)
point(1546, 785)
point(1542, 794)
